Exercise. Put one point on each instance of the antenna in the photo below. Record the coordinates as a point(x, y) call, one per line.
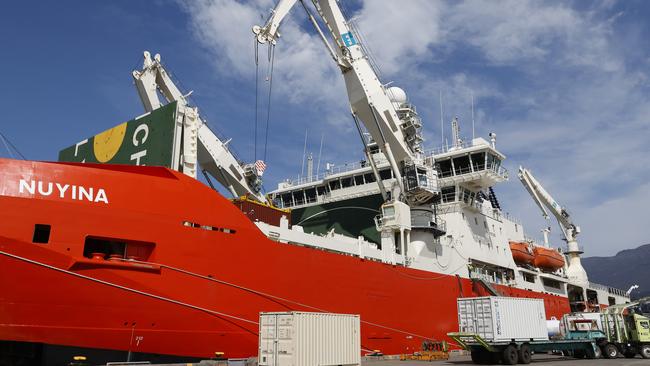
point(320, 153)
point(455, 133)
point(473, 136)
point(304, 152)
point(310, 167)
point(442, 122)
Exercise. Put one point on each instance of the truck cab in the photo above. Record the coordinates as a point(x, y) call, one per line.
point(583, 329)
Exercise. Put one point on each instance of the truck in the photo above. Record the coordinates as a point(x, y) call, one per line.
point(577, 326)
point(627, 329)
point(509, 330)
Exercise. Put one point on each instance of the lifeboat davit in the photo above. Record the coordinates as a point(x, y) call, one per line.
point(548, 259)
point(521, 252)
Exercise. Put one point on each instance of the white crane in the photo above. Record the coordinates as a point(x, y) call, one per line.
point(391, 121)
point(544, 200)
point(632, 288)
point(200, 144)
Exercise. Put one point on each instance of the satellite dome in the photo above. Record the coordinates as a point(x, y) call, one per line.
point(396, 95)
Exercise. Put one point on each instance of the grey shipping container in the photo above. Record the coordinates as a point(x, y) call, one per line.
point(498, 319)
point(309, 339)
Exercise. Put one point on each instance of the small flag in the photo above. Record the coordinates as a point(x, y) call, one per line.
point(260, 167)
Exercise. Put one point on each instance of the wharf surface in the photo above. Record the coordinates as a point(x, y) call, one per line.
point(539, 359)
point(455, 359)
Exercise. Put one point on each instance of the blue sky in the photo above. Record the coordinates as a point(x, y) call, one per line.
point(563, 84)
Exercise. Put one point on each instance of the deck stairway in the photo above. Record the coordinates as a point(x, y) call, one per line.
point(486, 285)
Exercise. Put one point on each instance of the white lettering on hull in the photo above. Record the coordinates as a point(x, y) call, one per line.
point(79, 193)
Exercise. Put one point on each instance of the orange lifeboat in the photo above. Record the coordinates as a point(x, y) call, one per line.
point(548, 259)
point(521, 253)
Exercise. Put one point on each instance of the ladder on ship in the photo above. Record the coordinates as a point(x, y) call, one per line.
point(487, 286)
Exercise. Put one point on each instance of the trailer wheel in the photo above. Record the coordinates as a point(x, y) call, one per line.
point(645, 351)
point(484, 357)
point(579, 353)
point(510, 356)
point(477, 357)
point(610, 351)
point(524, 354)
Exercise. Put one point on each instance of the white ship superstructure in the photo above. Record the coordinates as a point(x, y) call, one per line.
point(477, 232)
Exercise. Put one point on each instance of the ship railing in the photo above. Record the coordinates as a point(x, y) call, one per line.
point(581, 248)
point(508, 216)
point(616, 291)
point(597, 286)
point(443, 149)
point(407, 106)
point(337, 169)
point(477, 168)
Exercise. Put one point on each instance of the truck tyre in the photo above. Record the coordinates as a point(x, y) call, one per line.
point(510, 356)
point(481, 357)
point(594, 353)
point(524, 354)
point(645, 351)
point(579, 353)
point(477, 357)
point(610, 351)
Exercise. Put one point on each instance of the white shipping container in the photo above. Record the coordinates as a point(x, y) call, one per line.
point(498, 319)
point(309, 339)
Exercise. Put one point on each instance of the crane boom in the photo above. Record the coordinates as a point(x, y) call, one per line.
point(201, 145)
point(391, 122)
point(544, 200)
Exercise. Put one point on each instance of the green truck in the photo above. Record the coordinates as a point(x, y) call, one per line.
point(617, 330)
point(627, 330)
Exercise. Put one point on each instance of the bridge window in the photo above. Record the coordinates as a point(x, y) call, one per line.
point(385, 174)
point(369, 178)
point(461, 165)
point(358, 180)
point(478, 160)
point(346, 182)
point(310, 194)
point(444, 168)
point(448, 194)
point(298, 197)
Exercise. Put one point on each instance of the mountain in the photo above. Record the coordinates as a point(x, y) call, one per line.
point(628, 267)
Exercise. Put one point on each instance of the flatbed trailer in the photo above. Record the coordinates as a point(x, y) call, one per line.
point(515, 351)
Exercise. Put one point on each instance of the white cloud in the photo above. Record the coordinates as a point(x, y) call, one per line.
point(400, 33)
point(551, 80)
point(518, 31)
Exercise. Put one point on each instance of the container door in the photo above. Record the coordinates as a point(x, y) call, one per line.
point(285, 354)
point(466, 316)
point(268, 335)
point(484, 319)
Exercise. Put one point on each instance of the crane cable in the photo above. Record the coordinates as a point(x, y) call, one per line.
point(257, 77)
point(9, 146)
point(271, 56)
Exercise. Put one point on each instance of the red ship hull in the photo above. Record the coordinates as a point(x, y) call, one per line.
point(209, 271)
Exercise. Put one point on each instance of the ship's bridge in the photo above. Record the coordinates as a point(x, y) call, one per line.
point(475, 164)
